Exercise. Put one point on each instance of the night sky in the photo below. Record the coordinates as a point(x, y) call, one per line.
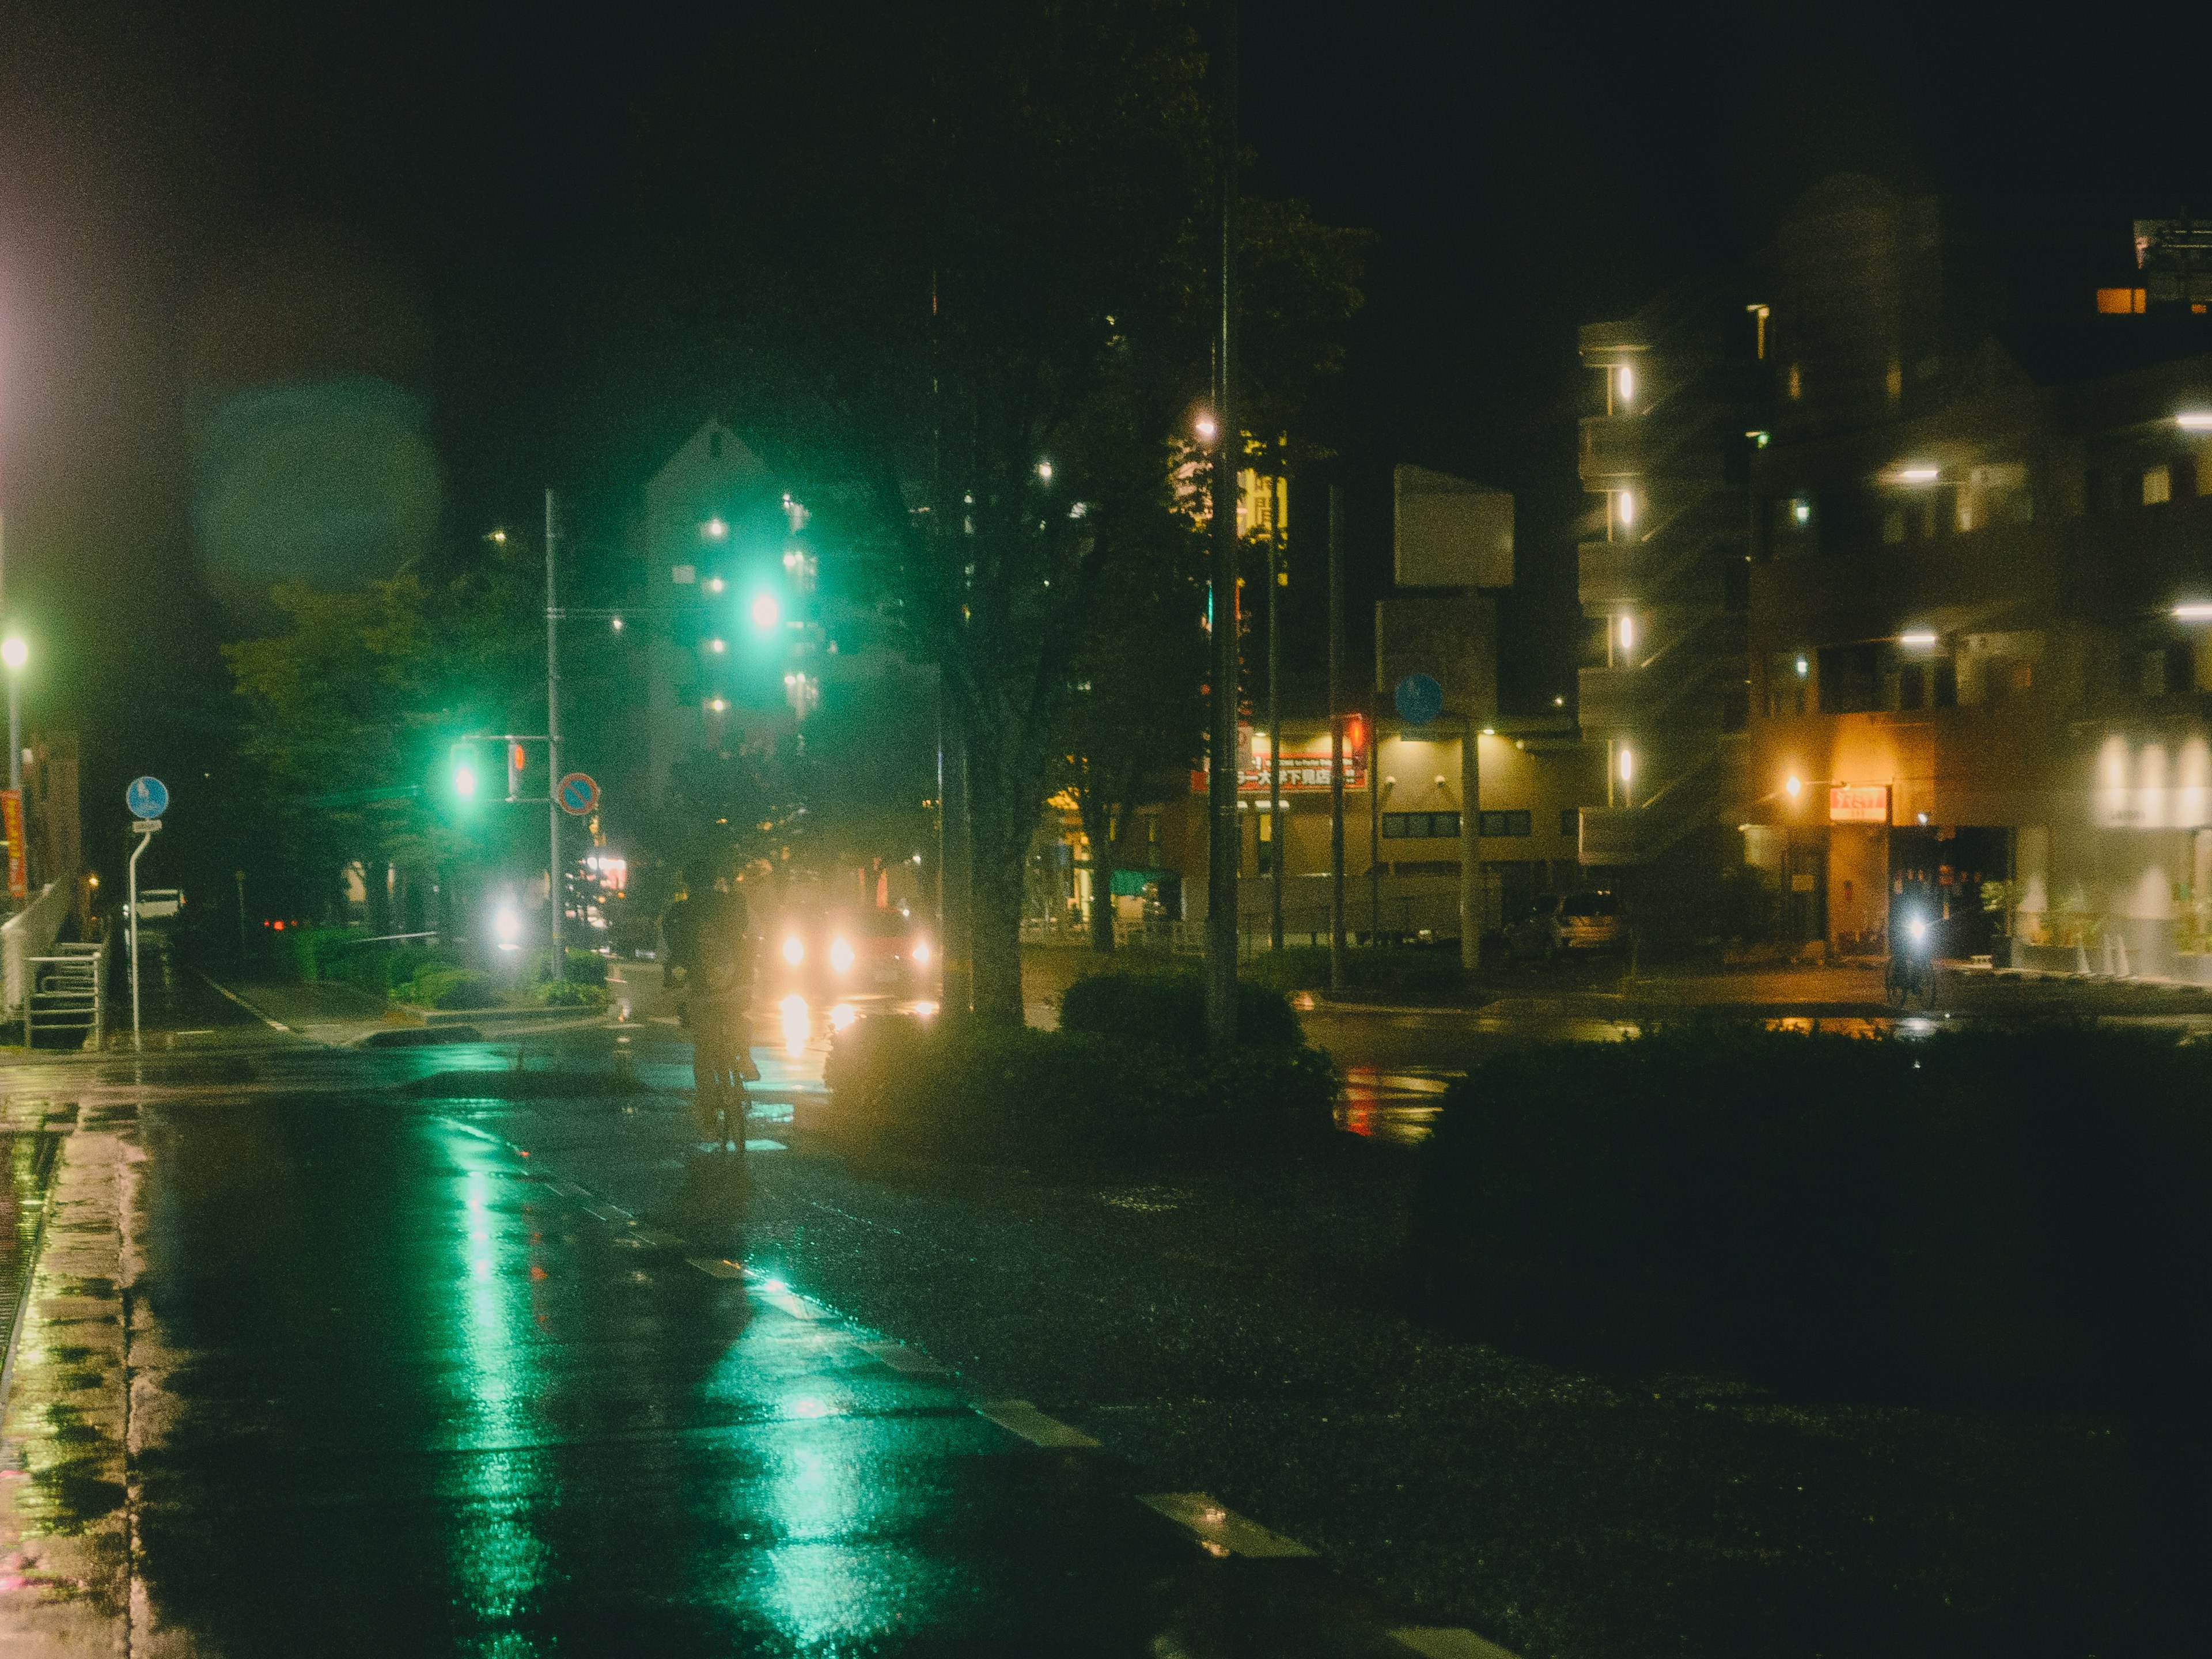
point(195, 197)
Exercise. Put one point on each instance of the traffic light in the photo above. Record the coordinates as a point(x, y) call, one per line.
point(515, 760)
point(462, 776)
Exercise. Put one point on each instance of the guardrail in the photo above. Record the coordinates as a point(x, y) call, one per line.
point(66, 990)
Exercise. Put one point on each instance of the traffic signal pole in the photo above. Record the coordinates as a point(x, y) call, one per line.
point(560, 964)
point(1225, 839)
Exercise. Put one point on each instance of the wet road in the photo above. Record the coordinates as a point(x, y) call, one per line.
point(425, 1353)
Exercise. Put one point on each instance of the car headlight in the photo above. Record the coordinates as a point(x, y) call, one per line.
point(840, 956)
point(921, 952)
point(794, 950)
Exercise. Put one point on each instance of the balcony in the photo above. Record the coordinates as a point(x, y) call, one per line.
point(1616, 449)
point(1611, 574)
point(1616, 699)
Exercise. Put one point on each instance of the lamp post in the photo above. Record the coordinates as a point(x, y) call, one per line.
point(14, 653)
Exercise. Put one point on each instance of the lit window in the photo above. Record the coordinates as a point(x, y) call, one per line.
point(1800, 510)
point(2120, 302)
point(2157, 485)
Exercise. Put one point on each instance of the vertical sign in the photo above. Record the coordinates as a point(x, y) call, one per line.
point(11, 818)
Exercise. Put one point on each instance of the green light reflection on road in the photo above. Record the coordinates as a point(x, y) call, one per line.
point(498, 1561)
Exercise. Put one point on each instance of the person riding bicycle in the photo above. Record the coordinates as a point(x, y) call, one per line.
point(707, 931)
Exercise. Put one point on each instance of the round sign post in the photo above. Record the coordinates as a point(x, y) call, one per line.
point(1420, 699)
point(577, 793)
point(147, 798)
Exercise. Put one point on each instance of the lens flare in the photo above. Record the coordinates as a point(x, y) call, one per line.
point(796, 1024)
point(841, 1017)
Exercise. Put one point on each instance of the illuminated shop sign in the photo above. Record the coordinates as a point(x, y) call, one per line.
point(1305, 765)
point(1858, 803)
point(2152, 786)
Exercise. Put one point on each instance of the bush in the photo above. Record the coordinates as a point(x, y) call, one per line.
point(1986, 1216)
point(1169, 1010)
point(444, 988)
point(382, 970)
point(570, 993)
point(584, 966)
point(961, 1089)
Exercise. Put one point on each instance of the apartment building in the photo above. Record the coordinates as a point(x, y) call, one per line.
point(1980, 606)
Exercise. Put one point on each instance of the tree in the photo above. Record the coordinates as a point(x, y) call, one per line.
point(1136, 722)
point(351, 711)
point(956, 279)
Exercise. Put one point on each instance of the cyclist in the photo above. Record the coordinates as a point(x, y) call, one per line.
point(707, 941)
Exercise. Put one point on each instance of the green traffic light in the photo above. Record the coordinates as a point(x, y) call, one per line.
point(462, 773)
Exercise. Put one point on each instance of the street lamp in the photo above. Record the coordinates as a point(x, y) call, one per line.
point(14, 653)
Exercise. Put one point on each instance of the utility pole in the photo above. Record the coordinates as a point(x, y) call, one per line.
point(955, 864)
point(1278, 840)
point(1470, 845)
point(1224, 840)
point(241, 914)
point(553, 751)
point(1374, 827)
point(1336, 737)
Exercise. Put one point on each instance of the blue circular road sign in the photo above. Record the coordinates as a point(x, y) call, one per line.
point(1420, 699)
point(147, 798)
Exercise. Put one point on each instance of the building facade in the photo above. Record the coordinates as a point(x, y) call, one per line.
point(1980, 595)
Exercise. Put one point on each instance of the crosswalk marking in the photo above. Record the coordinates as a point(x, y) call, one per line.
point(1219, 1527)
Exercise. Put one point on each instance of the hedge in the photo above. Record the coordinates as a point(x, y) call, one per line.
point(1993, 1215)
point(962, 1089)
point(445, 987)
point(1168, 1010)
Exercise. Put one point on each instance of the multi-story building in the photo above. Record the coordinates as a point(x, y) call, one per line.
point(1662, 581)
point(1402, 851)
point(1980, 592)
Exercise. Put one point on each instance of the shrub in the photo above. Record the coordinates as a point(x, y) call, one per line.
point(961, 1089)
point(1985, 1215)
point(444, 988)
point(382, 970)
point(584, 966)
point(570, 993)
point(1169, 1010)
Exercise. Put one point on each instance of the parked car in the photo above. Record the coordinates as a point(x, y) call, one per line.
point(1555, 926)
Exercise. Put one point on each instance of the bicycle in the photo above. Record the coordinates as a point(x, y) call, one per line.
point(1911, 972)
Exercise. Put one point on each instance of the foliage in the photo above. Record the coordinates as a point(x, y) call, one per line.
point(1992, 1215)
point(584, 966)
point(970, 1091)
point(971, 301)
point(570, 993)
point(351, 712)
point(1168, 1010)
point(444, 988)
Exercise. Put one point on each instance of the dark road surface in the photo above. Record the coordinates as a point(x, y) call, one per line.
point(462, 1366)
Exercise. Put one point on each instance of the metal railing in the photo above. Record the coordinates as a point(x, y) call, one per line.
point(66, 990)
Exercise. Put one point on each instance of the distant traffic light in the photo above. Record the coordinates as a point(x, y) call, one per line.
point(461, 775)
point(515, 759)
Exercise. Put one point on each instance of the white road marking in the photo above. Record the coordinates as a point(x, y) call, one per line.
point(1219, 1528)
point(900, 1357)
point(273, 1025)
point(607, 1212)
point(1442, 1642)
point(567, 1190)
point(715, 1269)
point(1020, 1416)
